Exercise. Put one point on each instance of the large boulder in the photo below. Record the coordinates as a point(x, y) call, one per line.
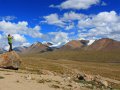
point(10, 60)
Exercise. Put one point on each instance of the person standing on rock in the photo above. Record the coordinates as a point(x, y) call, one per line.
point(10, 42)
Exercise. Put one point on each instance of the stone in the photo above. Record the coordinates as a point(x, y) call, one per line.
point(101, 81)
point(98, 80)
point(88, 78)
point(10, 60)
point(105, 83)
point(28, 77)
point(68, 78)
point(80, 77)
point(46, 72)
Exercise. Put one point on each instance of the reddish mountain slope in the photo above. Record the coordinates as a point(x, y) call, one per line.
point(105, 44)
point(74, 44)
point(36, 48)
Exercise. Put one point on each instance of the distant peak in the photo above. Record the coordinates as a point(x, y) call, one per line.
point(106, 39)
point(37, 43)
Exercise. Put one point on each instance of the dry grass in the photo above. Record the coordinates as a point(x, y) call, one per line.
point(34, 63)
point(44, 80)
point(106, 64)
point(55, 86)
point(87, 56)
point(1, 77)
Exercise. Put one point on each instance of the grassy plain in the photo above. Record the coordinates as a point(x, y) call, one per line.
point(106, 64)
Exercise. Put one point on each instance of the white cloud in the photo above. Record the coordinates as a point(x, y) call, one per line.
point(100, 20)
point(27, 44)
point(85, 23)
point(59, 38)
point(64, 21)
point(106, 17)
point(69, 27)
point(6, 48)
point(18, 31)
point(19, 38)
point(73, 16)
point(20, 28)
point(76, 4)
point(54, 19)
point(104, 24)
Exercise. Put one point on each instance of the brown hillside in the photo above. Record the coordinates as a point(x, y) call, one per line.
point(74, 44)
point(105, 44)
point(36, 48)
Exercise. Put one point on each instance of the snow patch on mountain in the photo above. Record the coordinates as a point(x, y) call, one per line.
point(91, 42)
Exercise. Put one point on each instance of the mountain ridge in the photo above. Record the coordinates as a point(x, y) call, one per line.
point(100, 44)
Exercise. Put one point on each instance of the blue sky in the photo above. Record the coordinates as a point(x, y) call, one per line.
point(58, 21)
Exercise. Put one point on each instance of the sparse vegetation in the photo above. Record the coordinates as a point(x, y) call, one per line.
point(41, 81)
point(55, 86)
point(18, 81)
point(106, 64)
point(1, 77)
point(85, 56)
point(44, 80)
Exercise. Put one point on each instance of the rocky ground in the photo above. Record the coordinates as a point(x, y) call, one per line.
point(25, 80)
point(42, 74)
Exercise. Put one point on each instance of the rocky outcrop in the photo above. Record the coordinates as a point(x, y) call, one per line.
point(96, 81)
point(10, 60)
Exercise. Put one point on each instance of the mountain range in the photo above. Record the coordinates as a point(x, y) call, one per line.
point(105, 44)
point(101, 44)
point(36, 48)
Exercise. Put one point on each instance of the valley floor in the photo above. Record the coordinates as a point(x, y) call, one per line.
point(24, 80)
point(64, 67)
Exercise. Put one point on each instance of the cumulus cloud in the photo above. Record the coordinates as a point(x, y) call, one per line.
point(18, 31)
point(54, 19)
point(104, 24)
point(20, 28)
point(59, 38)
point(76, 4)
point(6, 48)
point(18, 41)
point(19, 38)
point(69, 16)
point(64, 21)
